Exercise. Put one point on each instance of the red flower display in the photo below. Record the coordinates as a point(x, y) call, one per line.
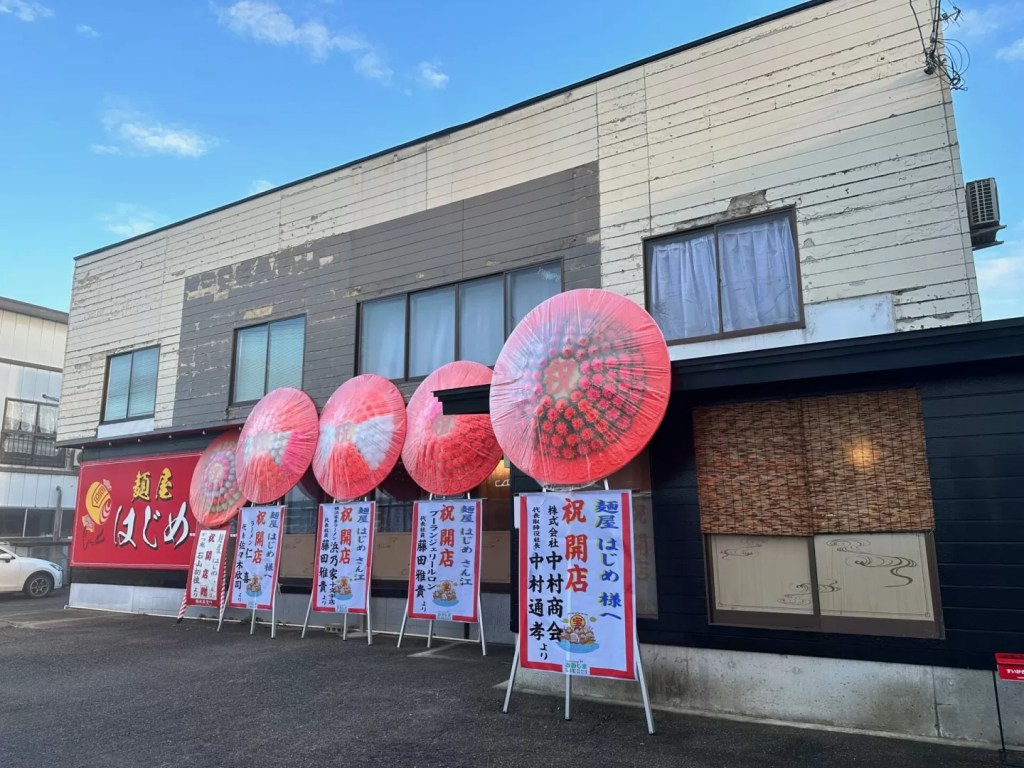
point(446, 455)
point(362, 430)
point(276, 444)
point(580, 387)
point(214, 494)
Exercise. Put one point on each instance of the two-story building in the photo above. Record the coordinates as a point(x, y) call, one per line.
point(829, 527)
point(38, 480)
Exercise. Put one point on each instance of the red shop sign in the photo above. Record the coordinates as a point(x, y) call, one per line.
point(134, 513)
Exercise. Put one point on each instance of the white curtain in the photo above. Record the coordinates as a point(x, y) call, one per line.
point(431, 330)
point(759, 279)
point(482, 320)
point(684, 289)
point(382, 338)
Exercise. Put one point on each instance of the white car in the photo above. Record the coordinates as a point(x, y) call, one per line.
point(34, 577)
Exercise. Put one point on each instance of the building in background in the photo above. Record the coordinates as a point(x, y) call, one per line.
point(830, 528)
point(38, 480)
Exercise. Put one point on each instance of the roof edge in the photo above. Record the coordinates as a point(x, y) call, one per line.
point(33, 310)
point(475, 121)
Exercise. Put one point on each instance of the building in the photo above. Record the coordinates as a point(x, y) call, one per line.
point(38, 480)
point(786, 198)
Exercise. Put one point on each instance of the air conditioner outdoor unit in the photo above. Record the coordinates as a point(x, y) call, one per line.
point(983, 213)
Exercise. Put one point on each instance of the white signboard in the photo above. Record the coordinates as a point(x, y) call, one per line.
point(576, 594)
point(206, 579)
point(257, 557)
point(344, 557)
point(444, 567)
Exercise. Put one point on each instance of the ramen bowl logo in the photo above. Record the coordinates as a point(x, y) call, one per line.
point(97, 509)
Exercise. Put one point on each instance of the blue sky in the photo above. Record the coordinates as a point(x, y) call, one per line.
point(120, 116)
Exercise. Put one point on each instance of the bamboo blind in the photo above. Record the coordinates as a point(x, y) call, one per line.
point(751, 475)
point(836, 464)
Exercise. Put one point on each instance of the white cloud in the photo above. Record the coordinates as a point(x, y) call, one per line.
point(370, 65)
point(265, 22)
point(1001, 279)
point(431, 76)
point(105, 149)
point(142, 133)
point(25, 10)
point(1013, 52)
point(127, 220)
point(260, 185)
point(86, 31)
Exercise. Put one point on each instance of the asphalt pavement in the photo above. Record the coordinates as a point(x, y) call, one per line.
point(88, 689)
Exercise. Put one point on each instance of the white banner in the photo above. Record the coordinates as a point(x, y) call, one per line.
point(344, 557)
point(257, 556)
point(577, 611)
point(206, 579)
point(444, 568)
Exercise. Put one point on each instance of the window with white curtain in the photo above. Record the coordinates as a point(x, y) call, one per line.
point(268, 356)
point(465, 321)
point(431, 330)
point(131, 385)
point(734, 278)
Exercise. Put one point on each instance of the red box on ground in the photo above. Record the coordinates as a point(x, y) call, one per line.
point(1010, 666)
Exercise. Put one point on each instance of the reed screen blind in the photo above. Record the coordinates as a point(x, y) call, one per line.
point(852, 463)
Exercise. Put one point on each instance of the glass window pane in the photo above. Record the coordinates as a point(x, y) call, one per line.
point(250, 363)
point(142, 394)
point(382, 337)
point(117, 388)
point(684, 286)
point(481, 320)
point(39, 522)
point(19, 416)
point(431, 330)
point(303, 511)
point(48, 419)
point(530, 287)
point(759, 279)
point(287, 342)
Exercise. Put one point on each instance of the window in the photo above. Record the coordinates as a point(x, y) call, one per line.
point(268, 356)
point(26, 523)
point(302, 510)
point(29, 435)
point(131, 385)
point(409, 336)
point(817, 514)
point(732, 279)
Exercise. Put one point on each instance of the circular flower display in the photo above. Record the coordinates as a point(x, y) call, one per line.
point(580, 387)
point(362, 429)
point(276, 444)
point(446, 455)
point(214, 494)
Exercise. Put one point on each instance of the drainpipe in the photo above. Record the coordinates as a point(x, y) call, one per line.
point(58, 513)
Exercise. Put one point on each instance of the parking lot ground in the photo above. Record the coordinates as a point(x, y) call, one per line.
point(88, 689)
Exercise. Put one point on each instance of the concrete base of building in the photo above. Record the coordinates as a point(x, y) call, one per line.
point(291, 609)
point(934, 703)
